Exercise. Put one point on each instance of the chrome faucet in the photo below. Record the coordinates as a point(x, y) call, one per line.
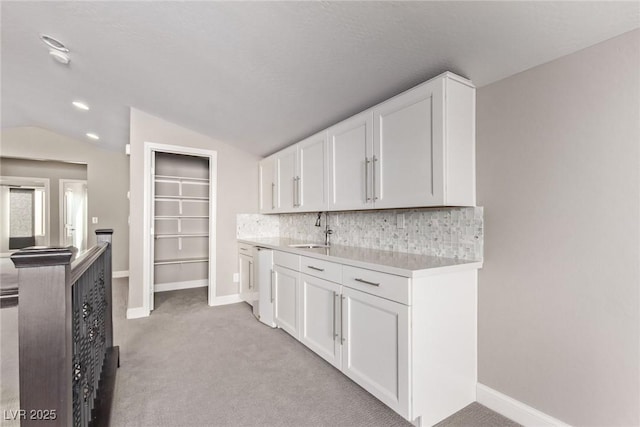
point(327, 230)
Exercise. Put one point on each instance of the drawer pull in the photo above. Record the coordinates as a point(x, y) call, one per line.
point(315, 268)
point(367, 282)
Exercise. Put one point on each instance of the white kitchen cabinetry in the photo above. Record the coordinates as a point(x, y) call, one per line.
point(312, 173)
point(415, 149)
point(375, 347)
point(350, 151)
point(287, 294)
point(268, 193)
point(409, 341)
point(286, 179)
point(246, 274)
point(320, 315)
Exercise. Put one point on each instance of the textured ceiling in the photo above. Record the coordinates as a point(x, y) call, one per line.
point(262, 75)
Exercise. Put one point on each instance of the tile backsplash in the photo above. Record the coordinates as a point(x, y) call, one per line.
point(446, 232)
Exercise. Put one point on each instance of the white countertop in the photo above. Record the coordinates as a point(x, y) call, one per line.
point(399, 263)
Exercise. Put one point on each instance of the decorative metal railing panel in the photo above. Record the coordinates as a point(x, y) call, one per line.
point(65, 310)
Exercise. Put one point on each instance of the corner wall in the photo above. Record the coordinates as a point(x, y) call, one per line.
point(237, 192)
point(107, 179)
point(558, 160)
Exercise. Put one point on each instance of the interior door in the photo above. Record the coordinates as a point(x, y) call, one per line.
point(74, 214)
point(350, 148)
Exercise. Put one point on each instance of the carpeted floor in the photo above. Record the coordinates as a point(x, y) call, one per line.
point(189, 364)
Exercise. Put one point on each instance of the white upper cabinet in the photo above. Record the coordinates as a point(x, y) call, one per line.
point(407, 160)
point(312, 173)
point(415, 149)
point(350, 151)
point(286, 179)
point(267, 185)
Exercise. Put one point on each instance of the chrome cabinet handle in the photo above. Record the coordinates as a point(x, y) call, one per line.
point(366, 178)
point(373, 170)
point(273, 194)
point(366, 282)
point(299, 192)
point(315, 268)
point(295, 196)
point(243, 249)
point(342, 340)
point(335, 316)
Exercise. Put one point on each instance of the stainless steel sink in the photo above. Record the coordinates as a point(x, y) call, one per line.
point(309, 245)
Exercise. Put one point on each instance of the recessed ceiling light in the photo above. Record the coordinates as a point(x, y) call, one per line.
point(80, 105)
point(93, 136)
point(61, 57)
point(53, 43)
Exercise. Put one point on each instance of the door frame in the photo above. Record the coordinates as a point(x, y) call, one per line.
point(147, 233)
point(28, 182)
point(61, 182)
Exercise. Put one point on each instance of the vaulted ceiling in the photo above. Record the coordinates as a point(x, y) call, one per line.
point(262, 75)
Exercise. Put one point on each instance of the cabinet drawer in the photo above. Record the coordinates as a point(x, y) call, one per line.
point(395, 288)
point(286, 259)
point(245, 249)
point(323, 269)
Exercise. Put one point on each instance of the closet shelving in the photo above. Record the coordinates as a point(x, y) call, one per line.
point(181, 221)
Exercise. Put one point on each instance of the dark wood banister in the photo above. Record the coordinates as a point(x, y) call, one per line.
point(46, 279)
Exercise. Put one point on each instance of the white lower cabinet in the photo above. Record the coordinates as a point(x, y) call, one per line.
point(375, 349)
point(320, 314)
point(410, 342)
point(287, 293)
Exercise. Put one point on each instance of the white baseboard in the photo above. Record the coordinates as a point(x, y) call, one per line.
point(226, 299)
point(119, 274)
point(514, 409)
point(174, 286)
point(137, 312)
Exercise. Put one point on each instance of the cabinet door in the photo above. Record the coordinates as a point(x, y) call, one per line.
point(286, 176)
point(246, 277)
point(287, 283)
point(312, 173)
point(321, 318)
point(375, 351)
point(267, 186)
point(408, 157)
point(350, 149)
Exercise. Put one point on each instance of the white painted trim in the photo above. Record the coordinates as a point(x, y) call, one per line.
point(61, 183)
point(47, 196)
point(514, 409)
point(147, 251)
point(174, 286)
point(119, 274)
point(226, 299)
point(137, 312)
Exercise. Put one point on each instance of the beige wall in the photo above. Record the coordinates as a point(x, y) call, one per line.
point(107, 179)
point(558, 156)
point(54, 171)
point(237, 193)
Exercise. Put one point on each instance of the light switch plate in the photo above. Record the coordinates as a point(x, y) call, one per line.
point(400, 220)
point(94, 220)
point(236, 277)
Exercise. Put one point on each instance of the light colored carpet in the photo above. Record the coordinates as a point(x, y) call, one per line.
point(189, 364)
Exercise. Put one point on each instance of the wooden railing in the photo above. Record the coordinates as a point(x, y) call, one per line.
point(67, 359)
